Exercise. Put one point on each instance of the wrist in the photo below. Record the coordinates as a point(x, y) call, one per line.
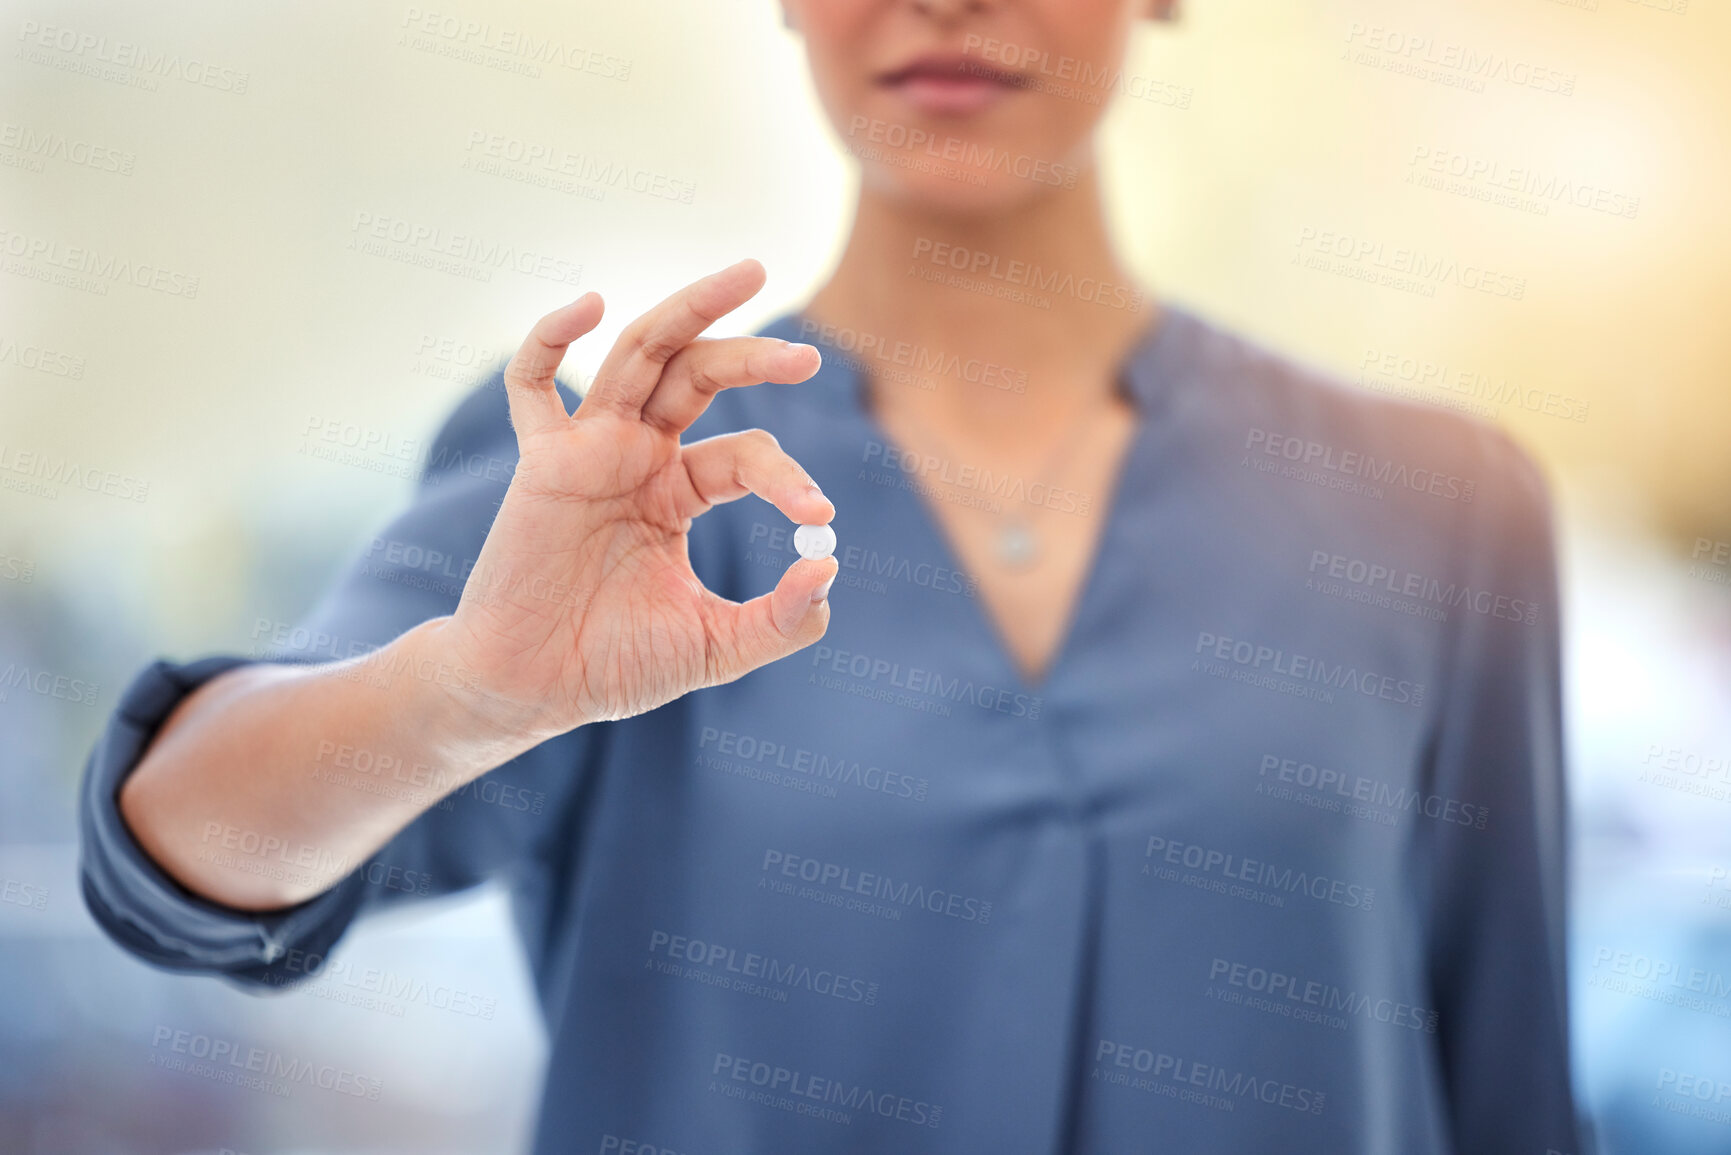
point(448, 706)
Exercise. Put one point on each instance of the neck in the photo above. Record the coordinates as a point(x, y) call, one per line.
point(974, 288)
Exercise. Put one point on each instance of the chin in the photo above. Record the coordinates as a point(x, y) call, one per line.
point(976, 149)
point(959, 193)
point(950, 170)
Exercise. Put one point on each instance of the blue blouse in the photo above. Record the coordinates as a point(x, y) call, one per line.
point(1271, 859)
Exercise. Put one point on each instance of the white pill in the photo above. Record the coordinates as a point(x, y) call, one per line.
point(814, 542)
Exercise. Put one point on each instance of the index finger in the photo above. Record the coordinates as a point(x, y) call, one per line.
point(529, 385)
point(634, 364)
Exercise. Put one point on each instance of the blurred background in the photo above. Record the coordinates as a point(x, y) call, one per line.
point(243, 376)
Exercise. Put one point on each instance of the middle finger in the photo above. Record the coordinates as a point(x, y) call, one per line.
point(705, 367)
point(634, 364)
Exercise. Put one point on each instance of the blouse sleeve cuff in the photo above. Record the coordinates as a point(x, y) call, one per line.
point(146, 911)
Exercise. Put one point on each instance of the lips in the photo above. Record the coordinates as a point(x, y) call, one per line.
point(953, 69)
point(951, 85)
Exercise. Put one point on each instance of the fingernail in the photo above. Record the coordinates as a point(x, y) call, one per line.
point(822, 591)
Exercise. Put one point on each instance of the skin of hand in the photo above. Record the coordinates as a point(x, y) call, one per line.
point(582, 605)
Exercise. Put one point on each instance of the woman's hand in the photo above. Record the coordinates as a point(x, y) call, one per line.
point(582, 605)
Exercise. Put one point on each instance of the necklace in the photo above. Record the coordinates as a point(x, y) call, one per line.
point(1015, 545)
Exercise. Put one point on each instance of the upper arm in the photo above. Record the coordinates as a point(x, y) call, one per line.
point(1497, 870)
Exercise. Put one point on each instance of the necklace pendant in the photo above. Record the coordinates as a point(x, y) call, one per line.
point(1017, 546)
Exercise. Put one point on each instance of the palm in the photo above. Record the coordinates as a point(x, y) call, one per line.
point(583, 604)
point(590, 528)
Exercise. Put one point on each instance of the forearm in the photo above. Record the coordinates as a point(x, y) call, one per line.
point(247, 797)
point(582, 606)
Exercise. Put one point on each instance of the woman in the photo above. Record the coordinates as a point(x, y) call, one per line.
point(1178, 767)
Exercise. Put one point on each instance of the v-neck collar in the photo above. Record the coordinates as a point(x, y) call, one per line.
point(1144, 376)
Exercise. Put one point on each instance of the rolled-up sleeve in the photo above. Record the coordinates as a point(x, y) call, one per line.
point(140, 906)
point(1498, 932)
point(411, 572)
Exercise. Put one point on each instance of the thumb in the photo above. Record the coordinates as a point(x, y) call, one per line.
point(787, 619)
